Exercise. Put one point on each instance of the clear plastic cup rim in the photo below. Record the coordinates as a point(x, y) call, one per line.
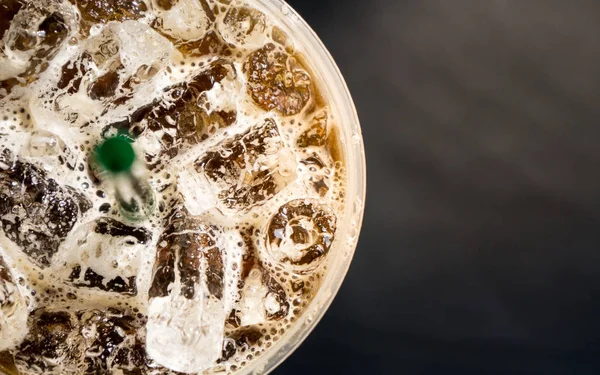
point(334, 88)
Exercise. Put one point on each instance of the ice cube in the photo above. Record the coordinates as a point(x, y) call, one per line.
point(252, 304)
point(124, 56)
point(49, 150)
point(52, 345)
point(262, 299)
point(185, 335)
point(186, 315)
point(104, 11)
point(244, 26)
point(10, 65)
point(276, 80)
point(33, 38)
point(35, 212)
point(103, 254)
point(13, 308)
point(248, 169)
point(300, 234)
point(123, 63)
point(198, 195)
point(113, 342)
point(141, 46)
point(186, 20)
point(261, 296)
point(316, 134)
point(181, 121)
point(318, 176)
point(62, 342)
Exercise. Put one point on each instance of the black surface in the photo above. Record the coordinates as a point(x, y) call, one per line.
point(480, 251)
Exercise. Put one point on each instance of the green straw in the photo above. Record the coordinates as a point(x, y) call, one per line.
point(116, 154)
point(134, 194)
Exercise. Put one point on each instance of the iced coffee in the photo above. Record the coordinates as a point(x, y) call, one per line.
point(243, 157)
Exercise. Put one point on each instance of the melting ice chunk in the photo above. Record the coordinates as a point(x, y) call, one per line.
point(186, 316)
point(243, 26)
point(104, 254)
point(248, 169)
point(105, 341)
point(35, 212)
point(187, 20)
point(185, 335)
point(49, 150)
point(251, 306)
point(300, 234)
point(51, 345)
point(262, 299)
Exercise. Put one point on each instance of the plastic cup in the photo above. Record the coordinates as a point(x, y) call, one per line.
point(335, 90)
point(333, 87)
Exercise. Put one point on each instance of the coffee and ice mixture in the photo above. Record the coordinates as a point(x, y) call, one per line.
point(244, 159)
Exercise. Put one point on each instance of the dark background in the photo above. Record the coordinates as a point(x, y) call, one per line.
point(480, 250)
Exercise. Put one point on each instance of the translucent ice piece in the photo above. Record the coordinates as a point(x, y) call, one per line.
point(186, 316)
point(244, 26)
point(182, 120)
point(185, 335)
point(186, 20)
point(262, 299)
point(104, 254)
point(113, 342)
point(35, 212)
point(141, 46)
point(252, 305)
point(52, 345)
point(276, 80)
point(49, 150)
point(124, 55)
point(300, 234)
point(34, 37)
point(248, 169)
point(98, 341)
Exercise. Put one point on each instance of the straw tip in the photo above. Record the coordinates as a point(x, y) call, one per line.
point(116, 154)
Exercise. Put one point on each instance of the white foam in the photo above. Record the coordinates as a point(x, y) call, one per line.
point(13, 63)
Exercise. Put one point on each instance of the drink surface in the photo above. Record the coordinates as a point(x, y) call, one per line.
point(242, 153)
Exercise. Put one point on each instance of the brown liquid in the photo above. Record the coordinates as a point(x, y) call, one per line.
point(7, 364)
